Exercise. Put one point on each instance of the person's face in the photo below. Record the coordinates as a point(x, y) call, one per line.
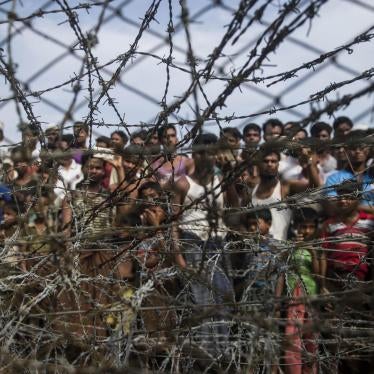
point(63, 146)
point(150, 195)
point(258, 226)
point(101, 145)
point(272, 132)
point(10, 216)
point(80, 134)
point(170, 138)
point(231, 141)
point(129, 166)
point(205, 160)
point(340, 153)
point(323, 135)
point(117, 141)
point(358, 154)
point(307, 229)
point(21, 167)
point(252, 137)
point(52, 137)
point(95, 170)
point(30, 139)
point(269, 165)
point(299, 136)
point(343, 129)
point(137, 141)
point(347, 204)
point(154, 139)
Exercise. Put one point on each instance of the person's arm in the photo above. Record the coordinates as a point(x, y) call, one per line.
point(309, 163)
point(323, 265)
point(315, 262)
point(179, 192)
point(67, 217)
point(119, 170)
point(279, 286)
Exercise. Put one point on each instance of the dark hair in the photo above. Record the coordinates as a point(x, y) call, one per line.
point(129, 219)
point(273, 122)
point(25, 156)
point(305, 214)
point(12, 205)
point(68, 138)
point(103, 139)
point(204, 139)
point(31, 127)
point(133, 153)
point(82, 125)
point(318, 127)
point(264, 214)
point(87, 157)
point(294, 127)
point(162, 130)
point(232, 131)
point(122, 134)
point(150, 184)
point(338, 121)
point(251, 126)
point(349, 187)
point(142, 134)
point(267, 149)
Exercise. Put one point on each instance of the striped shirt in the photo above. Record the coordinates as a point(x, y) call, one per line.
point(347, 245)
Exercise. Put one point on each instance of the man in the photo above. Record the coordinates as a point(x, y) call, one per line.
point(272, 129)
point(271, 190)
point(342, 126)
point(356, 170)
point(86, 210)
point(170, 166)
point(252, 135)
point(88, 222)
point(69, 171)
point(30, 139)
point(52, 135)
point(293, 131)
point(198, 204)
point(322, 131)
point(24, 184)
point(231, 137)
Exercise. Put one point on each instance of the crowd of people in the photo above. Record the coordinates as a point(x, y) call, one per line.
point(254, 244)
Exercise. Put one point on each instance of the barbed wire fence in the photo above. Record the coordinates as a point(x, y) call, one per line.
point(71, 310)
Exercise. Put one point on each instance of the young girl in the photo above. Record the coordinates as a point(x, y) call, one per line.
point(301, 281)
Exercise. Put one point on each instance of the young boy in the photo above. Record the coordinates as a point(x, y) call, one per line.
point(262, 261)
point(347, 238)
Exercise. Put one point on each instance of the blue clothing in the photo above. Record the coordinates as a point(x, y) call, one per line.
point(345, 175)
point(5, 195)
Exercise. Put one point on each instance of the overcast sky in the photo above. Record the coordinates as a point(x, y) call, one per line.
point(338, 22)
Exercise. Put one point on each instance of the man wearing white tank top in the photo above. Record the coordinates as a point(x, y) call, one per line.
point(199, 203)
point(271, 190)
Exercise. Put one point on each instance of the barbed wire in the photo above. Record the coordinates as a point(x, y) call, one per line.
point(81, 298)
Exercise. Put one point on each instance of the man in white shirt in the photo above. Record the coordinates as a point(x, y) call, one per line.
point(69, 171)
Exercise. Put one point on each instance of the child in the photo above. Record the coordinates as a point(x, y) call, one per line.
point(300, 281)
point(346, 239)
point(263, 260)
